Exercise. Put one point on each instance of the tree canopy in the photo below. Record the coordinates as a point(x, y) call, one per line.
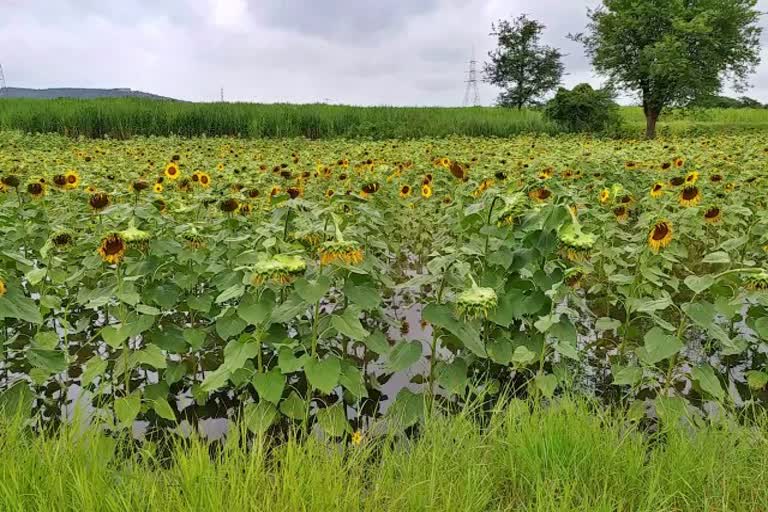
point(525, 69)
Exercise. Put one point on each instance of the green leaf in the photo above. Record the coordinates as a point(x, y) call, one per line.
point(757, 380)
point(230, 325)
point(441, 315)
point(194, 337)
point(407, 409)
point(257, 312)
point(151, 355)
point(607, 324)
point(546, 383)
point(94, 367)
point(368, 298)
point(17, 400)
point(717, 257)
point(233, 292)
point(378, 343)
point(147, 310)
point(114, 336)
point(699, 284)
point(54, 361)
point(333, 420)
point(259, 417)
point(288, 362)
point(174, 373)
point(453, 377)
point(46, 340)
point(237, 352)
point(761, 327)
point(269, 385)
point(628, 376)
point(127, 408)
point(290, 309)
point(500, 350)
point(705, 376)
point(312, 291)
point(163, 409)
point(349, 324)
point(294, 407)
point(403, 355)
point(523, 356)
point(658, 346)
point(15, 305)
point(323, 375)
point(566, 334)
point(216, 379)
point(352, 380)
point(544, 323)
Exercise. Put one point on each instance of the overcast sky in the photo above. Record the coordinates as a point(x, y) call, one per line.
point(393, 52)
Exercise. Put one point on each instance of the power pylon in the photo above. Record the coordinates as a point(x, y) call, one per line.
point(471, 93)
point(2, 82)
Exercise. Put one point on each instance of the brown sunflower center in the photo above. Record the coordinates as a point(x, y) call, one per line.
point(620, 211)
point(660, 231)
point(712, 213)
point(690, 193)
point(543, 193)
point(71, 179)
point(113, 245)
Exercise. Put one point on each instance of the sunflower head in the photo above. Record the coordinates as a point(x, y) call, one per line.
point(72, 179)
point(621, 213)
point(540, 195)
point(349, 252)
point(660, 235)
point(713, 215)
point(135, 237)
point(194, 239)
point(458, 171)
point(139, 186)
point(62, 239)
point(281, 269)
point(172, 170)
point(476, 302)
point(98, 201)
point(757, 282)
point(657, 190)
point(36, 189)
point(229, 205)
point(60, 180)
point(690, 196)
point(112, 248)
point(691, 178)
point(605, 196)
point(576, 244)
point(3, 287)
point(11, 181)
point(426, 191)
point(405, 191)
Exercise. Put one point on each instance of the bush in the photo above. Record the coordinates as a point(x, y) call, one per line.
point(584, 109)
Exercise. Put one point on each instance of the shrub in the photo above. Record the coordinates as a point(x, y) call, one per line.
point(584, 109)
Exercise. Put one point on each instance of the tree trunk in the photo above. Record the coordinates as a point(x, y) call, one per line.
point(651, 116)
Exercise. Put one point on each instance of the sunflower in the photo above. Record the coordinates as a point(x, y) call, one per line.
point(476, 302)
point(713, 215)
point(11, 181)
point(540, 195)
point(135, 237)
point(139, 186)
point(158, 188)
point(458, 171)
point(484, 185)
point(281, 269)
point(657, 190)
point(294, 192)
point(677, 181)
point(204, 180)
point(691, 178)
point(621, 213)
point(72, 179)
point(112, 248)
point(60, 180)
point(629, 164)
point(229, 205)
point(575, 244)
point(757, 282)
point(405, 191)
point(357, 438)
point(220, 167)
point(61, 239)
point(245, 209)
point(36, 189)
point(3, 287)
point(90, 189)
point(679, 162)
point(172, 170)
point(690, 196)
point(426, 191)
point(660, 235)
point(716, 178)
point(605, 196)
point(346, 251)
point(329, 193)
point(275, 190)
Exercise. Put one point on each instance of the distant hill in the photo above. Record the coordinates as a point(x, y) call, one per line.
point(79, 93)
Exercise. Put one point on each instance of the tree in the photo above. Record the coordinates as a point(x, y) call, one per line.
point(673, 51)
point(584, 109)
point(520, 65)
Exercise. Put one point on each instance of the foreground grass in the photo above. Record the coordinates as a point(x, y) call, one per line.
point(564, 457)
point(129, 117)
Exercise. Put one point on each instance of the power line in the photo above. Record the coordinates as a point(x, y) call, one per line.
point(472, 93)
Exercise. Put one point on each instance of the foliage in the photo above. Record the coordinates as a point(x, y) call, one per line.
point(725, 102)
point(584, 109)
point(568, 456)
point(323, 284)
point(673, 51)
point(525, 69)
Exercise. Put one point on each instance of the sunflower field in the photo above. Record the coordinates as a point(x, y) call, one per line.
point(328, 283)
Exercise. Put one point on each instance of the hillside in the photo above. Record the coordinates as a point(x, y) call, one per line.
point(77, 93)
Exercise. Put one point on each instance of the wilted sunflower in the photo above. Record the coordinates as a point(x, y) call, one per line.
point(660, 235)
point(282, 269)
point(112, 248)
point(60, 180)
point(135, 237)
point(575, 244)
point(540, 195)
point(629, 164)
point(293, 192)
point(621, 213)
point(72, 179)
point(426, 191)
point(458, 171)
point(98, 201)
point(11, 180)
point(476, 302)
point(36, 189)
point(757, 282)
point(713, 215)
point(677, 181)
point(245, 209)
point(172, 170)
point(657, 190)
point(573, 277)
point(194, 239)
point(605, 196)
point(229, 205)
point(61, 239)
point(346, 251)
point(139, 186)
point(329, 193)
point(484, 185)
point(716, 178)
point(690, 196)
point(275, 190)
point(405, 191)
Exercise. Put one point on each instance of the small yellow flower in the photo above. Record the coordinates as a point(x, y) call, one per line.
point(357, 438)
point(158, 188)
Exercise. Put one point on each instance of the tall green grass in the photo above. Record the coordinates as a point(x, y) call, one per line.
point(565, 457)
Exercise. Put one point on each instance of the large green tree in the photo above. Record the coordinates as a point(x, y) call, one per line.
point(673, 51)
point(525, 69)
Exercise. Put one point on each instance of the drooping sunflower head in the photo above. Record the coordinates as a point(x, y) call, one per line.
point(98, 201)
point(757, 282)
point(229, 205)
point(139, 186)
point(576, 244)
point(573, 277)
point(281, 269)
point(713, 215)
point(690, 196)
point(112, 248)
point(294, 192)
point(36, 189)
point(349, 252)
point(194, 239)
point(458, 171)
point(677, 181)
point(476, 302)
point(621, 213)
point(657, 190)
point(484, 185)
point(135, 237)
point(245, 209)
point(11, 181)
point(540, 195)
point(172, 171)
point(660, 235)
point(62, 239)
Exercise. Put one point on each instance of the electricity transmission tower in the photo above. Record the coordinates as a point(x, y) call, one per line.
point(2, 82)
point(471, 93)
point(222, 95)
